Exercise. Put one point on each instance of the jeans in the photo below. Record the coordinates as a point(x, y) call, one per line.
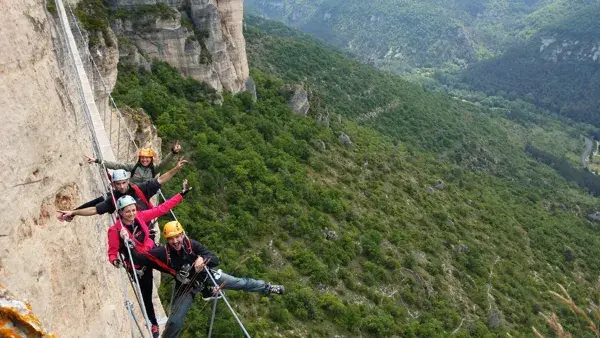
point(183, 302)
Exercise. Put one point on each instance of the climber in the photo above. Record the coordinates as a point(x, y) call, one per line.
point(186, 259)
point(132, 224)
point(144, 169)
point(120, 183)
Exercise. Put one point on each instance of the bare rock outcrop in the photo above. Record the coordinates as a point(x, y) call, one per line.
point(297, 98)
point(215, 54)
point(59, 268)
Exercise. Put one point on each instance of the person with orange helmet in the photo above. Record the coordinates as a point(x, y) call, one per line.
point(186, 259)
point(144, 169)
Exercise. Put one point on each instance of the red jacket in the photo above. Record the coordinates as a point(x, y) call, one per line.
point(114, 240)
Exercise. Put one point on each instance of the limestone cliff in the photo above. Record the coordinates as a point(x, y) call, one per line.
point(557, 48)
point(201, 38)
point(60, 268)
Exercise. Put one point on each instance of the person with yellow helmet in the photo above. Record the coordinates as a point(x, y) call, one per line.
point(186, 259)
point(133, 226)
point(144, 169)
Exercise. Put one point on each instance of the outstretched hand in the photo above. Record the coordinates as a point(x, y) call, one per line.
point(180, 163)
point(185, 189)
point(65, 215)
point(90, 160)
point(199, 264)
point(123, 233)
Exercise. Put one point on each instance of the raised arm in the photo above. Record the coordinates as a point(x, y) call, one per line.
point(162, 208)
point(169, 174)
point(89, 211)
point(165, 160)
point(111, 165)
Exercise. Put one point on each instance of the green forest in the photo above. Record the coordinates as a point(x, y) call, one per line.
point(540, 52)
point(433, 220)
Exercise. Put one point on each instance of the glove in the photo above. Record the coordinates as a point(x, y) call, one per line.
point(117, 263)
point(185, 191)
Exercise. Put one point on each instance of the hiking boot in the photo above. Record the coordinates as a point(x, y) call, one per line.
point(155, 331)
point(208, 295)
point(276, 289)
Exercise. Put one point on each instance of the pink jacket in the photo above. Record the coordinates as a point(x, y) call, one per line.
point(114, 240)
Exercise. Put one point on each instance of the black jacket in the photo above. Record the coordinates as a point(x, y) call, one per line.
point(148, 188)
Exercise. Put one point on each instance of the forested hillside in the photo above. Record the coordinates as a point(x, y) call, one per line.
point(543, 52)
point(557, 67)
point(400, 35)
point(431, 221)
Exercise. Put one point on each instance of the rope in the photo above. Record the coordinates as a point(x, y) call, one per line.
point(212, 317)
point(113, 103)
point(132, 140)
point(226, 302)
point(129, 307)
point(95, 144)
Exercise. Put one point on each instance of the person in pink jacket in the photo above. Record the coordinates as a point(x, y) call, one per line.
point(132, 225)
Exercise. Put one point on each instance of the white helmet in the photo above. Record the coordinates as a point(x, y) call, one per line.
point(125, 201)
point(119, 175)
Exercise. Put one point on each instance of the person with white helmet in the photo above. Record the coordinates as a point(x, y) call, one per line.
point(186, 259)
point(121, 186)
point(144, 169)
point(132, 225)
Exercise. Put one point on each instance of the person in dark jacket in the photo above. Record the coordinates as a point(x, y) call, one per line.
point(185, 259)
point(121, 186)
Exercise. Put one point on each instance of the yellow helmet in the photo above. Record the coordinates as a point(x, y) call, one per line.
point(172, 229)
point(146, 152)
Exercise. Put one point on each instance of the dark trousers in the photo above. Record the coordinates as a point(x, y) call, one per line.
point(146, 288)
point(184, 299)
point(181, 306)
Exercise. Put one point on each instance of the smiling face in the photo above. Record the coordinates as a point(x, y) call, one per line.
point(176, 242)
point(121, 186)
point(145, 160)
point(128, 213)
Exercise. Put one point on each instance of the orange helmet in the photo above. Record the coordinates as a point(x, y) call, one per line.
point(146, 152)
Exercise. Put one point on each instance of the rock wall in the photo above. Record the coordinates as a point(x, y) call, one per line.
point(216, 55)
point(557, 48)
point(61, 269)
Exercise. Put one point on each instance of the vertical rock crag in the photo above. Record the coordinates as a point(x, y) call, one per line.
point(59, 268)
point(201, 38)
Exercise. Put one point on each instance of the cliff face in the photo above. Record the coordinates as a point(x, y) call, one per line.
point(215, 55)
point(60, 268)
point(556, 48)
